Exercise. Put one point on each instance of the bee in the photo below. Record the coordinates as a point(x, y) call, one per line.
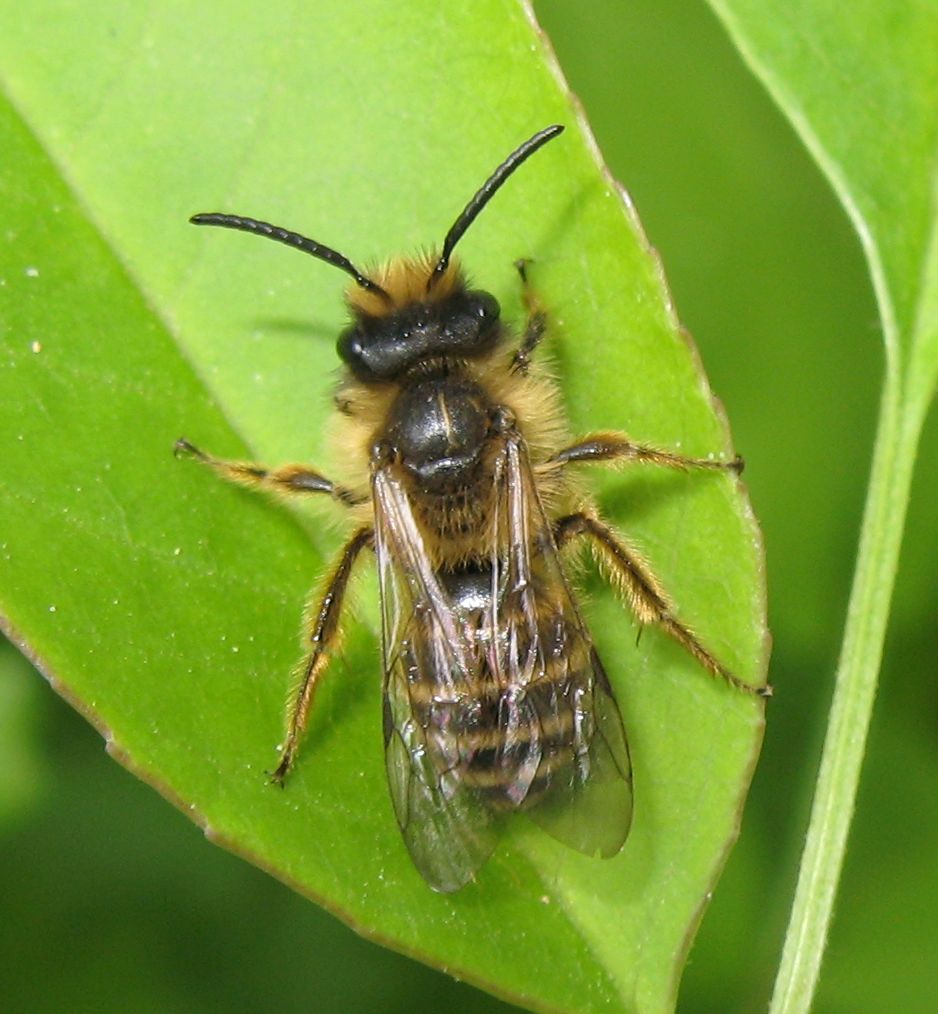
point(495, 699)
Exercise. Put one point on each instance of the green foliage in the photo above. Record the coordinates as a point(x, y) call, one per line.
point(123, 328)
point(165, 605)
point(861, 87)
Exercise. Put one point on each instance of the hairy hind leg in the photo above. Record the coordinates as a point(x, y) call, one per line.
point(640, 589)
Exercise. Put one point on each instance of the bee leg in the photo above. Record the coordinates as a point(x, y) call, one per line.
point(287, 480)
point(634, 581)
point(536, 325)
point(617, 447)
point(324, 636)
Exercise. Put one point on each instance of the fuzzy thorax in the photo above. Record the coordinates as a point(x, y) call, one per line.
point(532, 398)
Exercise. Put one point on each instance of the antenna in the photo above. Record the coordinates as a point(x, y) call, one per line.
point(294, 239)
point(486, 192)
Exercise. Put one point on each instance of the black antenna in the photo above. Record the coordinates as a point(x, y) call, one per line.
point(486, 192)
point(294, 239)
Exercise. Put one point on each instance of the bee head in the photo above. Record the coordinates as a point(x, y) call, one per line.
point(420, 316)
point(411, 309)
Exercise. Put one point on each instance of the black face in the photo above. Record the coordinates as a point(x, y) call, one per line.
point(464, 325)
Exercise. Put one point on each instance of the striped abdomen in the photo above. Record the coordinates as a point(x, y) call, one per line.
point(522, 722)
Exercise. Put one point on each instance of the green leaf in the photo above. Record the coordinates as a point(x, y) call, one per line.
point(860, 84)
point(165, 604)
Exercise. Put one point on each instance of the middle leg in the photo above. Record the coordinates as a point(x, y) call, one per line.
point(617, 447)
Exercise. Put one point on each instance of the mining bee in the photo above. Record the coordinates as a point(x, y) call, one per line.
point(457, 457)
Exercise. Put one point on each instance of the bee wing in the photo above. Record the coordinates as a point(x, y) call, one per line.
point(428, 675)
point(581, 793)
point(497, 704)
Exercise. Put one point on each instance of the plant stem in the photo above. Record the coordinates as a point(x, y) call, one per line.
point(855, 690)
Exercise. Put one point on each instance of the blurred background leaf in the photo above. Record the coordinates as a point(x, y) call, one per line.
point(768, 276)
point(860, 86)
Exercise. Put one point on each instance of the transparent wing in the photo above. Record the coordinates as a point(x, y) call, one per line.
point(495, 699)
point(431, 670)
point(580, 791)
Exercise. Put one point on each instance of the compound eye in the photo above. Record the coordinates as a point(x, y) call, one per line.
point(356, 352)
point(476, 327)
point(486, 306)
point(349, 344)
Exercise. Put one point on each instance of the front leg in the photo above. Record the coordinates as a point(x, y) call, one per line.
point(536, 323)
point(617, 448)
point(640, 589)
point(286, 480)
